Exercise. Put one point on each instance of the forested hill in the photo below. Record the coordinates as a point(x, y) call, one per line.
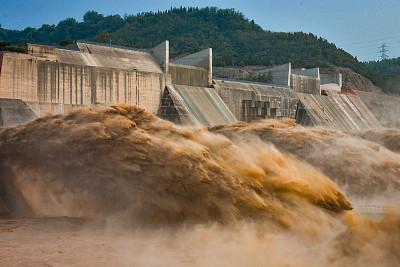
point(236, 40)
point(389, 74)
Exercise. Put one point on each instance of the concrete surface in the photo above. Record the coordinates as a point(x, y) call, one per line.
point(255, 101)
point(342, 112)
point(204, 105)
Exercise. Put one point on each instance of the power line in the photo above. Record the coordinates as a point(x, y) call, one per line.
point(371, 40)
point(397, 45)
point(370, 46)
point(372, 56)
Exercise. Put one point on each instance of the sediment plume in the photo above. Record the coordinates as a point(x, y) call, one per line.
point(249, 194)
point(387, 137)
point(362, 168)
point(99, 162)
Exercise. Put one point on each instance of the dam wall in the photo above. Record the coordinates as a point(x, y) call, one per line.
point(82, 85)
point(52, 80)
point(43, 109)
point(332, 78)
point(188, 75)
point(342, 112)
point(331, 82)
point(253, 101)
point(161, 54)
point(230, 73)
point(201, 59)
point(305, 84)
point(18, 76)
point(300, 80)
point(280, 74)
point(93, 75)
point(312, 73)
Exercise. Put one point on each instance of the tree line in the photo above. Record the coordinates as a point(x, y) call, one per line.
point(236, 40)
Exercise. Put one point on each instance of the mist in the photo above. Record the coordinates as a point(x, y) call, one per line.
point(119, 186)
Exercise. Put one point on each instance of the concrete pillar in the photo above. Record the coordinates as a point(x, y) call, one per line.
point(201, 59)
point(161, 54)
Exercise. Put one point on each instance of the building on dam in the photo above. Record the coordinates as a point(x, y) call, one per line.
point(185, 90)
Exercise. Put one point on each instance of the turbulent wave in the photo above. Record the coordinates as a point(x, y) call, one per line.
point(272, 185)
point(388, 137)
point(123, 159)
point(361, 166)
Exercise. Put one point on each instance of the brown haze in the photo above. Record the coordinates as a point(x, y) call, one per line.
point(360, 166)
point(149, 193)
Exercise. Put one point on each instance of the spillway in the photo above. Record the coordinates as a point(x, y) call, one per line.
point(342, 112)
point(203, 105)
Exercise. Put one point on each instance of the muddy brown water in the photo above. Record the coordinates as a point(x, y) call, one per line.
point(119, 187)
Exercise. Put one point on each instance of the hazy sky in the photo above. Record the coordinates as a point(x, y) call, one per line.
point(358, 26)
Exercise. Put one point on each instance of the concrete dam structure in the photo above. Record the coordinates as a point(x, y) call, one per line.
point(186, 90)
point(342, 112)
point(198, 106)
point(311, 97)
point(300, 80)
point(52, 80)
point(253, 101)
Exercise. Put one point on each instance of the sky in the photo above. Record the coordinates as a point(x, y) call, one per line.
point(358, 26)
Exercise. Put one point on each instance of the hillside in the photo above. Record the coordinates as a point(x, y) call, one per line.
point(389, 73)
point(353, 80)
point(236, 40)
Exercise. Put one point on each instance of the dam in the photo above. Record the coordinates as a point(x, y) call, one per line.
point(121, 165)
point(186, 90)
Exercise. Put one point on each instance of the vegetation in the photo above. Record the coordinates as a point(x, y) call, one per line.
point(6, 46)
point(262, 78)
point(236, 41)
point(389, 74)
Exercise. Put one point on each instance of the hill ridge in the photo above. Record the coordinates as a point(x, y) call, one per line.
point(235, 39)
